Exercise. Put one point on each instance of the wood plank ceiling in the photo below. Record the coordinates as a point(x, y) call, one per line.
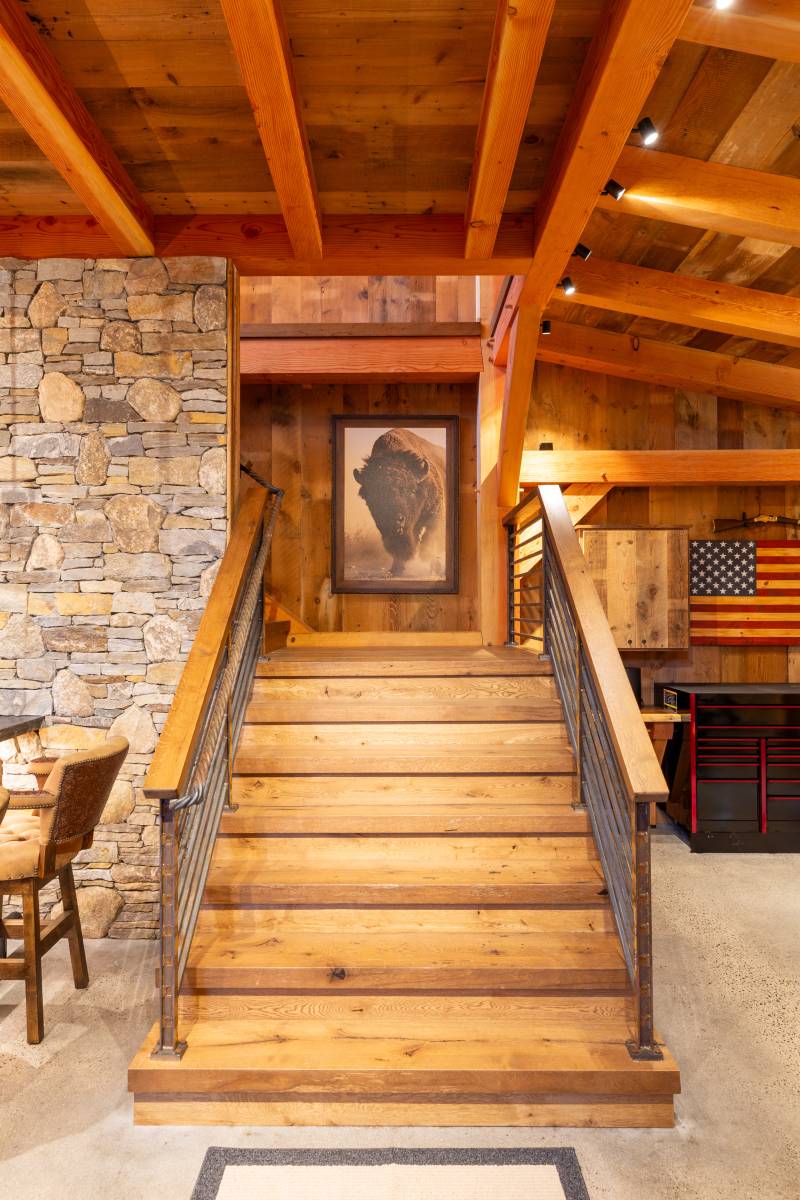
point(375, 137)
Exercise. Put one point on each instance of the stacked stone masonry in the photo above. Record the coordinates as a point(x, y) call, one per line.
point(113, 406)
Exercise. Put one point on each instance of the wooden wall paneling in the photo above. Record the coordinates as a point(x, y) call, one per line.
point(289, 428)
point(578, 411)
point(287, 472)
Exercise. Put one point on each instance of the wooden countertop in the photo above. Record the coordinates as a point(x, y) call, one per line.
point(664, 716)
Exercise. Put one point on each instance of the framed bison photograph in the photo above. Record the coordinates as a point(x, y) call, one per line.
point(395, 504)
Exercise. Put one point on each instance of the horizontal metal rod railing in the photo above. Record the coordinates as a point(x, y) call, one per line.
point(618, 774)
point(191, 772)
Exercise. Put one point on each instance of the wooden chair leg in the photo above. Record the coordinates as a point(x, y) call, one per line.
point(77, 954)
point(33, 960)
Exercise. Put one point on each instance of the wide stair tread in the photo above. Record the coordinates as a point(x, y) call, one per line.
point(439, 950)
point(375, 870)
point(403, 804)
point(375, 1046)
point(399, 661)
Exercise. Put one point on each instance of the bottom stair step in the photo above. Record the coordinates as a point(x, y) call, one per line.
point(517, 1050)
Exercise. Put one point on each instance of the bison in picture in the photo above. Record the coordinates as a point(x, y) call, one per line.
point(403, 484)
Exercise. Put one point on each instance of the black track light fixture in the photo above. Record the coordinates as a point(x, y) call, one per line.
point(647, 131)
point(613, 189)
point(568, 286)
point(546, 328)
point(582, 251)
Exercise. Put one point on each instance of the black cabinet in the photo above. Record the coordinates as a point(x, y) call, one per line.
point(734, 768)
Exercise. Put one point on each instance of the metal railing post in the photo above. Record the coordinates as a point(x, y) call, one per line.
point(644, 1047)
point(168, 1045)
point(510, 546)
point(546, 568)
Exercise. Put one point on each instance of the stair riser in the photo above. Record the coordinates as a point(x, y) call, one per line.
point(280, 895)
point(598, 1112)
point(519, 821)
point(313, 1082)
point(288, 712)
point(393, 979)
point(315, 761)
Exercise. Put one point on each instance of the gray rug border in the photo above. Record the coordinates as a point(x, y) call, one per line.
point(563, 1158)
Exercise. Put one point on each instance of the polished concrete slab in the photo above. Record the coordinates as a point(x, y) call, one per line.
point(728, 994)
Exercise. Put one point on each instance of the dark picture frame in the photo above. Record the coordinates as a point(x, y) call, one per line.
point(367, 560)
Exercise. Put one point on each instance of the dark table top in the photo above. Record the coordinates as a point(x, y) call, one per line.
point(734, 689)
point(11, 727)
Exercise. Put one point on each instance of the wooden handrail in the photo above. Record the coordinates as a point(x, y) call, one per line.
point(174, 754)
point(638, 764)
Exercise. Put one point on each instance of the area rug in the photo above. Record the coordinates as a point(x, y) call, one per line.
point(540, 1174)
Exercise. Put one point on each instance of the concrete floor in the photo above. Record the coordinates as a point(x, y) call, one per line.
point(727, 1003)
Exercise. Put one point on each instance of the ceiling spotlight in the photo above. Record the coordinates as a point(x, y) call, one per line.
point(582, 251)
point(723, 4)
point(568, 286)
point(546, 328)
point(647, 131)
point(613, 189)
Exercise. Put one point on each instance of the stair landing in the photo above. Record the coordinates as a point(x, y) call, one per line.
point(405, 921)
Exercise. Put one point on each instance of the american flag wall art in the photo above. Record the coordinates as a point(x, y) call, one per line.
point(744, 593)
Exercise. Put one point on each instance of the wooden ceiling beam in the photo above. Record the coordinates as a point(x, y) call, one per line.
point(661, 468)
point(262, 50)
point(516, 401)
point(688, 300)
point(672, 365)
point(623, 63)
point(47, 106)
point(707, 195)
point(354, 245)
point(520, 32)
point(362, 359)
point(753, 27)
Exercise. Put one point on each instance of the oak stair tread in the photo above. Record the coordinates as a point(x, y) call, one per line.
point(412, 950)
point(357, 804)
point(401, 748)
point(371, 870)
point(415, 1046)
point(401, 661)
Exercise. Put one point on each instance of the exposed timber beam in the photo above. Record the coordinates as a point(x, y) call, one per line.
point(661, 468)
point(366, 359)
point(707, 195)
point(672, 365)
point(688, 300)
point(380, 245)
point(262, 49)
point(620, 69)
point(47, 106)
point(516, 402)
point(753, 27)
point(520, 32)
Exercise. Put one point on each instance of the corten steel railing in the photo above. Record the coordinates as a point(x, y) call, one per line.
point(618, 774)
point(191, 772)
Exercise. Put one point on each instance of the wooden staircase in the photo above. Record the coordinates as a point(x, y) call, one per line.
point(405, 920)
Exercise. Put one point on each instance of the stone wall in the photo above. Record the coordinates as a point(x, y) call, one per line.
point(113, 399)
